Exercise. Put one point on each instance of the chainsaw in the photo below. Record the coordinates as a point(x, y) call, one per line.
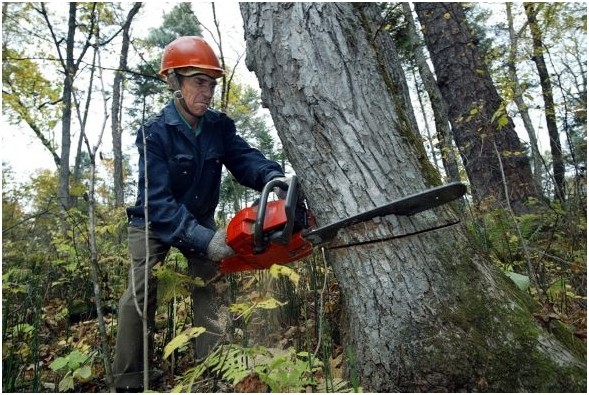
point(284, 230)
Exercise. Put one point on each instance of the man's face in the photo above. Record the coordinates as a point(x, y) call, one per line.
point(198, 91)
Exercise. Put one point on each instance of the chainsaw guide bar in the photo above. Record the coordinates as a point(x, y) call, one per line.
point(406, 206)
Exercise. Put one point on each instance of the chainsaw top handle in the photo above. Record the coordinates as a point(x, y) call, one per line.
point(285, 235)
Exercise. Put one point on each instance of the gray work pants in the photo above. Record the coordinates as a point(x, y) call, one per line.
point(209, 309)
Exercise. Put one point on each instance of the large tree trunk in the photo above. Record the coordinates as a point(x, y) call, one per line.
point(549, 109)
point(425, 312)
point(481, 134)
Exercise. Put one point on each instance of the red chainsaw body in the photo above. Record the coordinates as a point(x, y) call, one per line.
point(240, 235)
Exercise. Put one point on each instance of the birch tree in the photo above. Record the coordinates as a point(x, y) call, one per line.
point(425, 312)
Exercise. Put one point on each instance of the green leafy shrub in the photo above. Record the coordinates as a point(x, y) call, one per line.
point(74, 366)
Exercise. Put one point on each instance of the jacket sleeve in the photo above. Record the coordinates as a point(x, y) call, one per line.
point(171, 221)
point(247, 164)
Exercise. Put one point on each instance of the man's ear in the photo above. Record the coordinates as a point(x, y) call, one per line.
point(173, 80)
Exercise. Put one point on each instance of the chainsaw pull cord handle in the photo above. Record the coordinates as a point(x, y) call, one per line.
point(285, 236)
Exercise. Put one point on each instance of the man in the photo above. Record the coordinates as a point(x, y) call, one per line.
point(181, 152)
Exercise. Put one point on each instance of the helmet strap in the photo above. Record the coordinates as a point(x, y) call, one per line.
point(175, 85)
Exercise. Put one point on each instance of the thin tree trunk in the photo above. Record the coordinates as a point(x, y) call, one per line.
point(425, 312)
point(116, 110)
point(549, 109)
point(94, 264)
point(66, 119)
point(82, 119)
point(77, 173)
point(143, 313)
point(518, 98)
point(437, 101)
point(428, 135)
point(70, 67)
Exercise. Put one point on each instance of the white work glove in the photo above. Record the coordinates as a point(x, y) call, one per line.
point(218, 248)
point(281, 193)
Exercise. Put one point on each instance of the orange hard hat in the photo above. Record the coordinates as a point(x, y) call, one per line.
point(191, 51)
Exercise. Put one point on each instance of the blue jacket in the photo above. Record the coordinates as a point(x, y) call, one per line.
point(184, 175)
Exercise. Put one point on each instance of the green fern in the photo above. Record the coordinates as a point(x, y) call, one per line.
point(282, 370)
point(229, 361)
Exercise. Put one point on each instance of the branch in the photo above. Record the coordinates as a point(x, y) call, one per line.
point(56, 42)
point(36, 129)
point(33, 216)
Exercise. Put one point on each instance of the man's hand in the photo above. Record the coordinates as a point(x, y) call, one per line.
point(279, 191)
point(218, 248)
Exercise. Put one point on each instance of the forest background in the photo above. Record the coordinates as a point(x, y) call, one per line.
point(63, 236)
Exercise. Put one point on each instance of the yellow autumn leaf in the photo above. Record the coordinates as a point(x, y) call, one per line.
point(502, 121)
point(182, 339)
point(83, 374)
point(238, 308)
point(269, 304)
point(278, 270)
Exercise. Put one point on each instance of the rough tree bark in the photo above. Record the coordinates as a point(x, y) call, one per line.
point(480, 132)
point(425, 312)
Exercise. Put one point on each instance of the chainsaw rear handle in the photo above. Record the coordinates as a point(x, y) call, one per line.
point(283, 237)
